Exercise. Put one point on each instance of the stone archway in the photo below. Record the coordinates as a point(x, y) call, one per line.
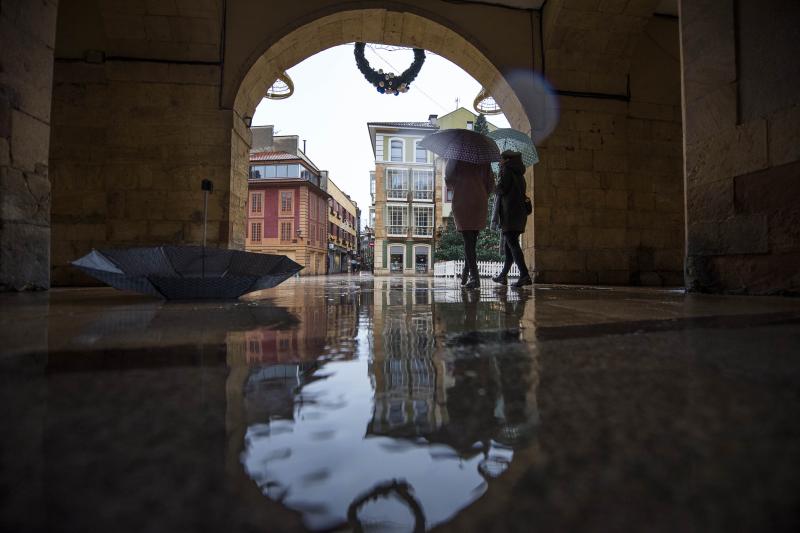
point(370, 25)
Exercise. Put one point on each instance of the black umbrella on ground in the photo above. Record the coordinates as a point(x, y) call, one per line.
point(187, 272)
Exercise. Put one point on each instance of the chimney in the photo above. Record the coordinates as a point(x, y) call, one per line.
point(433, 120)
point(304, 146)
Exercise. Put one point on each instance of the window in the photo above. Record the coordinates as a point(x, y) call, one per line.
point(396, 183)
point(256, 203)
point(255, 232)
point(396, 220)
point(396, 149)
point(470, 125)
point(420, 154)
point(256, 172)
point(312, 205)
point(448, 193)
point(423, 220)
point(287, 202)
point(286, 230)
point(423, 184)
point(286, 171)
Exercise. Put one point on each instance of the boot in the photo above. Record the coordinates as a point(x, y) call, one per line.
point(501, 278)
point(464, 274)
point(522, 281)
point(473, 283)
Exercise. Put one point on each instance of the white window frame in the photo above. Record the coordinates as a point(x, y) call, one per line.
point(388, 180)
point(403, 227)
point(427, 230)
point(425, 195)
point(414, 256)
point(427, 152)
point(402, 142)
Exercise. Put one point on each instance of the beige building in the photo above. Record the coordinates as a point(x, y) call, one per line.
point(343, 223)
point(410, 200)
point(404, 197)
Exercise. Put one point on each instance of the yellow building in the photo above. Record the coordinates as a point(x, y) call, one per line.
point(343, 221)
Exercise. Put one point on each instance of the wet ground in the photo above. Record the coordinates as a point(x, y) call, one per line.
point(400, 405)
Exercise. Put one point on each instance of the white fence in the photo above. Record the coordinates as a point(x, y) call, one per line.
point(487, 269)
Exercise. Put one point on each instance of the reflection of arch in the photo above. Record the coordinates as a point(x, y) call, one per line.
point(402, 489)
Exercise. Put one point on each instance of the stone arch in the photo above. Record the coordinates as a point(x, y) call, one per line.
point(369, 25)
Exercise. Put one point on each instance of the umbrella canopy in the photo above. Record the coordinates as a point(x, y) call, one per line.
point(511, 139)
point(463, 145)
point(187, 272)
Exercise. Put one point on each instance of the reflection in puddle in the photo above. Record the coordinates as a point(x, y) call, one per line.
point(401, 419)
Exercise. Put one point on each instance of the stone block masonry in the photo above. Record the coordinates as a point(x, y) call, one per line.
point(742, 133)
point(608, 192)
point(128, 171)
point(27, 37)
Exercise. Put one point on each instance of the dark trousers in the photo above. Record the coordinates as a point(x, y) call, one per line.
point(470, 252)
point(513, 254)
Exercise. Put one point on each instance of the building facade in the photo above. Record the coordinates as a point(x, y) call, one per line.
point(287, 207)
point(410, 200)
point(404, 191)
point(343, 222)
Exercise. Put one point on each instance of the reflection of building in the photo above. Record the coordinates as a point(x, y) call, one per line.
point(409, 382)
point(343, 225)
point(287, 205)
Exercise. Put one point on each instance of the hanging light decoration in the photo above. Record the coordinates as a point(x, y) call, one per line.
point(282, 88)
point(484, 103)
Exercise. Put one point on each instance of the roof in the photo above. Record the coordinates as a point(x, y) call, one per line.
point(427, 125)
point(273, 156)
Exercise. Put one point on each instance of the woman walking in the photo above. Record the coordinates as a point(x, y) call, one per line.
point(471, 184)
point(513, 215)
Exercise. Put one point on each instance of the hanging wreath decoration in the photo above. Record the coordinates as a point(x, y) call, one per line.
point(388, 82)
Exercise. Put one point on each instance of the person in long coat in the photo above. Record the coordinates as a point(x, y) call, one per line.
point(471, 186)
point(512, 215)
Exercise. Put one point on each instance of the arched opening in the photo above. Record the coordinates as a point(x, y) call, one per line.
point(371, 25)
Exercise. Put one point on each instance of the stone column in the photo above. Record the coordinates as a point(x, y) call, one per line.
point(741, 145)
point(27, 37)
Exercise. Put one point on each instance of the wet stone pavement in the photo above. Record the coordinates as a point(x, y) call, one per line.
point(382, 404)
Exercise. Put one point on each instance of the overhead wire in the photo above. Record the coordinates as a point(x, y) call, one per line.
point(395, 69)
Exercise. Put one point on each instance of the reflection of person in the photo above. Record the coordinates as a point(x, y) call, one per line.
point(513, 215)
point(471, 185)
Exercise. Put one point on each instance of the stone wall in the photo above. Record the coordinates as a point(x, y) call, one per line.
point(27, 39)
point(137, 126)
point(131, 143)
point(608, 192)
point(742, 145)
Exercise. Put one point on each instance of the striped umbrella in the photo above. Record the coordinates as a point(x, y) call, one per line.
point(463, 145)
point(511, 139)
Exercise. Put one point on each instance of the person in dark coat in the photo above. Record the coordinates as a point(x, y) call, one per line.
point(512, 215)
point(471, 186)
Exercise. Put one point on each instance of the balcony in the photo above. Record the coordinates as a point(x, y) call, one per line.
point(396, 231)
point(397, 194)
point(423, 231)
point(423, 195)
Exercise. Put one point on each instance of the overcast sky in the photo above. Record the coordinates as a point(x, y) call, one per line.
point(332, 104)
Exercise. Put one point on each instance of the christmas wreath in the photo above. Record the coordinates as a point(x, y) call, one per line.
point(388, 82)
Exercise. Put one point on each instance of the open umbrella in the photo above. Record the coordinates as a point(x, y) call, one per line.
point(187, 272)
point(511, 139)
point(463, 145)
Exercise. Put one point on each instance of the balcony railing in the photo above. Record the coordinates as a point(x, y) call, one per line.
point(397, 194)
point(396, 231)
point(423, 195)
point(423, 231)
